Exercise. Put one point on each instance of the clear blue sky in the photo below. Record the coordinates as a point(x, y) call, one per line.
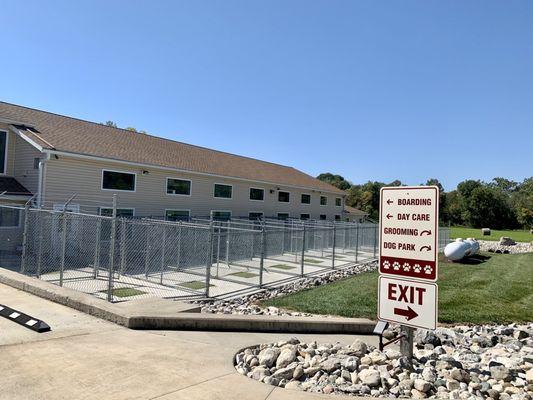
point(371, 90)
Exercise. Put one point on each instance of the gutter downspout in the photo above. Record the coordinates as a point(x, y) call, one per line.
point(42, 173)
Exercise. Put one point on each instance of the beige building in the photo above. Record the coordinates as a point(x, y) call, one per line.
point(53, 157)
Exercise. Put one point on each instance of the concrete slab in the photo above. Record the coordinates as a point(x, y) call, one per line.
point(107, 361)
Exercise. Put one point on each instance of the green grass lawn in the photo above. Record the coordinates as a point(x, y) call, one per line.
point(518, 236)
point(195, 285)
point(125, 292)
point(498, 289)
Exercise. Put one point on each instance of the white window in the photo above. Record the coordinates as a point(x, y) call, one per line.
point(337, 217)
point(284, 197)
point(9, 217)
point(223, 191)
point(181, 187)
point(118, 180)
point(306, 198)
point(257, 194)
point(305, 216)
point(255, 215)
point(177, 215)
point(283, 216)
point(323, 200)
point(338, 202)
point(222, 215)
point(323, 217)
point(121, 212)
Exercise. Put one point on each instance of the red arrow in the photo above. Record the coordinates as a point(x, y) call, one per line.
point(409, 314)
point(389, 201)
point(389, 216)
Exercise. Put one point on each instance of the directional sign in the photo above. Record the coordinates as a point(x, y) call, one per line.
point(409, 227)
point(407, 302)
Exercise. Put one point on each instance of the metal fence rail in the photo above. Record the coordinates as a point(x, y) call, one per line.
point(119, 258)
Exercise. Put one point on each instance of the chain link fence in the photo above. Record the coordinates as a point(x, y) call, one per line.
point(119, 259)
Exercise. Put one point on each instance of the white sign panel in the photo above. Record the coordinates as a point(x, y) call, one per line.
point(409, 227)
point(408, 302)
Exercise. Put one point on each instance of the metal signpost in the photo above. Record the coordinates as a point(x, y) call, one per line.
point(408, 264)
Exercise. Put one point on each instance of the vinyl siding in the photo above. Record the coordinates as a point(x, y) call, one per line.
point(24, 170)
point(67, 176)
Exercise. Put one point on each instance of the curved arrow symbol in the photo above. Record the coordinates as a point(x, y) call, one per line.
point(427, 248)
point(426, 232)
point(389, 216)
point(409, 314)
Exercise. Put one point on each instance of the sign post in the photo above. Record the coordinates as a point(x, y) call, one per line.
point(408, 264)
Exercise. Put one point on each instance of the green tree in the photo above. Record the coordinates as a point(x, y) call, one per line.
point(111, 124)
point(522, 200)
point(442, 199)
point(335, 180)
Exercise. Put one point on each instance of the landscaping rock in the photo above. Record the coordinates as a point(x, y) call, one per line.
point(470, 363)
point(506, 241)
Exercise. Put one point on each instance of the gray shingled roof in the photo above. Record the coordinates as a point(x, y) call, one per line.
point(61, 133)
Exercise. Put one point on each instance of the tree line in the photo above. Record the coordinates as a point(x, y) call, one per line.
point(498, 204)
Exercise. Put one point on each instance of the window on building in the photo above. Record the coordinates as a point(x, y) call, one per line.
point(337, 217)
point(257, 194)
point(114, 180)
point(36, 162)
point(121, 212)
point(221, 215)
point(223, 191)
point(284, 197)
point(323, 217)
point(306, 198)
point(305, 216)
point(9, 217)
point(323, 201)
point(283, 216)
point(338, 201)
point(3, 151)
point(177, 215)
point(255, 215)
point(179, 186)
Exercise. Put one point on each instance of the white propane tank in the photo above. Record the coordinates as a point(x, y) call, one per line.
point(474, 246)
point(455, 251)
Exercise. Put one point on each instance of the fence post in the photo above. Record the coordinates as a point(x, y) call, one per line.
point(302, 272)
point(357, 242)
point(375, 240)
point(122, 246)
point(163, 244)
point(218, 248)
point(262, 259)
point(96, 266)
point(209, 260)
point(147, 246)
point(63, 244)
point(40, 217)
point(334, 243)
point(227, 244)
point(25, 239)
point(179, 246)
point(112, 251)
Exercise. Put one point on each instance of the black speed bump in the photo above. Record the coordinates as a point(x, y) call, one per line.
point(23, 319)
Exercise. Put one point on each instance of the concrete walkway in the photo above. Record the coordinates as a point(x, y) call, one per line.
point(84, 357)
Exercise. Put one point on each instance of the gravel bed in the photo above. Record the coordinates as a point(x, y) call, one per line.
point(248, 305)
point(463, 362)
point(496, 247)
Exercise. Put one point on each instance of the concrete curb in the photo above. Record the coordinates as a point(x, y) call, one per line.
point(174, 315)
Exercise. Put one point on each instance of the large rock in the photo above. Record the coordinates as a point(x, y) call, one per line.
point(370, 377)
point(260, 373)
point(359, 348)
point(506, 241)
point(287, 355)
point(422, 385)
point(485, 231)
point(500, 373)
point(351, 363)
point(529, 376)
point(331, 364)
point(269, 356)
